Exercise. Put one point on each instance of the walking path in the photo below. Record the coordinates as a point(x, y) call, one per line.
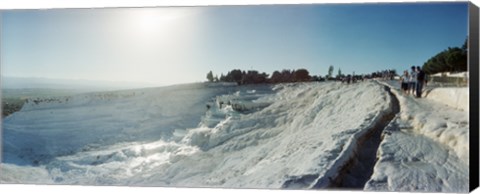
point(425, 148)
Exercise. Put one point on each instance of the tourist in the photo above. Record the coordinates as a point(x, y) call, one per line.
point(420, 81)
point(413, 80)
point(404, 80)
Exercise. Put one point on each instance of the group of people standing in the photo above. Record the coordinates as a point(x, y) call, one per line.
point(413, 82)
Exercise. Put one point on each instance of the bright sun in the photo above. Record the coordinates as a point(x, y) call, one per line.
point(148, 21)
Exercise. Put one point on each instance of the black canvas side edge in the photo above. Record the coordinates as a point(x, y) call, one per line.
point(473, 60)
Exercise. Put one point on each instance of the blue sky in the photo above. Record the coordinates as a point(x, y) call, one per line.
point(181, 44)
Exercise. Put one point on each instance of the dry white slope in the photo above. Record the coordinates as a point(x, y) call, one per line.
point(301, 140)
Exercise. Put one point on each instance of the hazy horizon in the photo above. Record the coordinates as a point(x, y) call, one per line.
point(172, 45)
point(9, 82)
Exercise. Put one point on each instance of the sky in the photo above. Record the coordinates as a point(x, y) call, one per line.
point(170, 45)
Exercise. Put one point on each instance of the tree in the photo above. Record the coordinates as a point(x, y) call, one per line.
point(449, 60)
point(330, 71)
point(276, 77)
point(465, 45)
point(339, 72)
point(222, 78)
point(254, 77)
point(287, 75)
point(456, 60)
point(210, 76)
point(301, 75)
point(236, 76)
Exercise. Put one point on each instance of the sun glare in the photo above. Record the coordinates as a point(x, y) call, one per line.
point(152, 21)
point(147, 41)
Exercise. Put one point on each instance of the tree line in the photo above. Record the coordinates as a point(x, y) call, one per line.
point(255, 77)
point(450, 60)
point(242, 77)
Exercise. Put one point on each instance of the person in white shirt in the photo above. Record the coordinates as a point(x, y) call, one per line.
point(404, 81)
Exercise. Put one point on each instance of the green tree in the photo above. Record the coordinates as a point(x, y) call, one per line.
point(465, 45)
point(210, 76)
point(236, 75)
point(339, 72)
point(450, 60)
point(456, 60)
point(276, 77)
point(301, 75)
point(330, 71)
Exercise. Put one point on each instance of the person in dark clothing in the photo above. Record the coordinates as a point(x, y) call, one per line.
point(420, 81)
point(413, 80)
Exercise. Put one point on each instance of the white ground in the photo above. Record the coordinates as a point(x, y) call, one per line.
point(457, 98)
point(426, 148)
point(291, 136)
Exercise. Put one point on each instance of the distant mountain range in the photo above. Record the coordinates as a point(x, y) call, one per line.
point(34, 82)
